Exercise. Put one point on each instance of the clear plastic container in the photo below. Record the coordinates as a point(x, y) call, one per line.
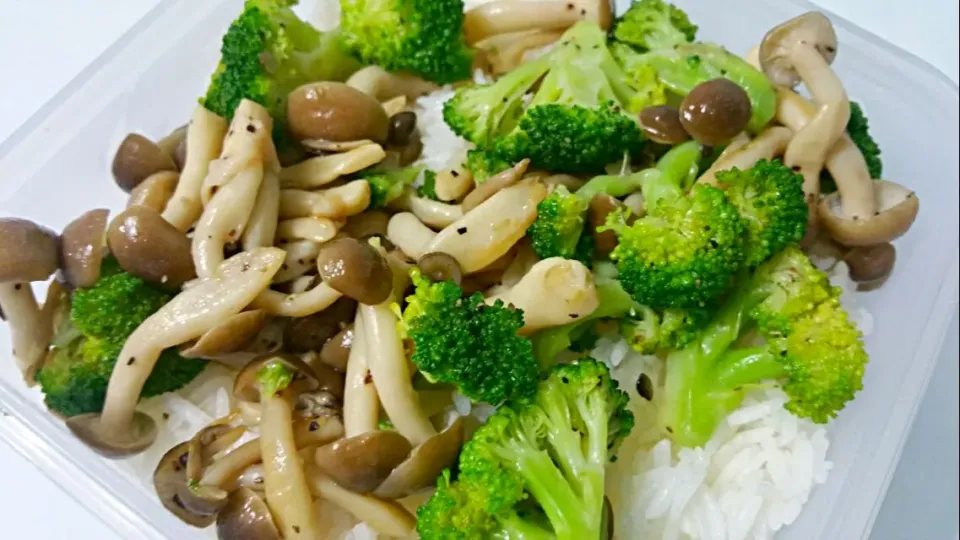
point(57, 166)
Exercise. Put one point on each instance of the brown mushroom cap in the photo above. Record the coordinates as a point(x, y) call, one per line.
point(196, 506)
point(870, 266)
point(601, 205)
point(716, 111)
point(311, 333)
point(137, 158)
point(234, 334)
point(897, 208)
point(81, 248)
point(246, 517)
point(367, 224)
point(362, 463)
point(113, 444)
point(336, 350)
point(662, 125)
point(28, 252)
point(438, 266)
point(355, 269)
point(149, 247)
point(335, 112)
point(810, 29)
point(424, 464)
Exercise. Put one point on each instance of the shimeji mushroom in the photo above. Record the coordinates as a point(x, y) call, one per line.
point(554, 292)
point(510, 16)
point(431, 213)
point(81, 248)
point(246, 516)
point(120, 430)
point(382, 85)
point(802, 49)
point(28, 253)
point(862, 212)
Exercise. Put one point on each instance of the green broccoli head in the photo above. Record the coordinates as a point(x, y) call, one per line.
point(560, 222)
point(465, 342)
point(810, 348)
point(654, 24)
point(576, 121)
point(770, 199)
point(858, 128)
point(386, 186)
point(649, 331)
point(481, 113)
point(423, 37)
point(74, 377)
point(536, 470)
point(484, 163)
point(682, 256)
point(266, 53)
point(428, 189)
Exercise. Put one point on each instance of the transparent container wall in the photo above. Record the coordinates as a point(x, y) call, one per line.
point(57, 166)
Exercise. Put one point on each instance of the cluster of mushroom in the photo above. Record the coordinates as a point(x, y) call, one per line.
point(507, 32)
point(864, 215)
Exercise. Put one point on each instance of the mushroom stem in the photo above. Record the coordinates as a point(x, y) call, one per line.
point(507, 16)
point(188, 316)
point(410, 235)
point(431, 213)
point(505, 52)
point(315, 300)
point(391, 373)
point(810, 145)
point(337, 202)
point(262, 225)
point(386, 517)
point(320, 171)
point(844, 161)
point(225, 217)
point(361, 405)
point(554, 292)
point(285, 484)
point(769, 144)
point(204, 141)
point(454, 183)
point(30, 331)
point(381, 85)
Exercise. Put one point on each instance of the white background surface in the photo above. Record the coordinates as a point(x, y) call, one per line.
point(45, 43)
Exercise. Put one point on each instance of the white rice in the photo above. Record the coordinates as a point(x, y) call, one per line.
point(442, 148)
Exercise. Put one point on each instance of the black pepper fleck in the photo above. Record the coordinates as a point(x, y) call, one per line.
point(296, 529)
point(645, 387)
point(462, 230)
point(251, 128)
point(454, 173)
point(314, 426)
point(573, 315)
point(131, 360)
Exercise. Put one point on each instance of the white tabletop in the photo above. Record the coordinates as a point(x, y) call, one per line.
point(45, 43)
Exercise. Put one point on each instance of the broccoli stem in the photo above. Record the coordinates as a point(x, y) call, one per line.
point(746, 366)
point(615, 185)
point(552, 492)
point(514, 527)
point(678, 169)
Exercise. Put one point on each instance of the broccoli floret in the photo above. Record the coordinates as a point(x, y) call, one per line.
point(561, 218)
point(686, 250)
point(654, 24)
point(536, 470)
point(649, 90)
point(267, 52)
point(385, 186)
point(684, 67)
point(424, 37)
point(576, 122)
point(858, 128)
point(559, 229)
point(428, 189)
point(483, 164)
point(467, 343)
point(810, 348)
point(74, 378)
point(770, 199)
point(650, 331)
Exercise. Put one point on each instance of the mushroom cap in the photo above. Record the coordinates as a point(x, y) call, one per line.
point(194, 506)
point(246, 517)
point(424, 464)
point(897, 208)
point(81, 248)
point(362, 463)
point(28, 252)
point(114, 444)
point(235, 333)
point(812, 28)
